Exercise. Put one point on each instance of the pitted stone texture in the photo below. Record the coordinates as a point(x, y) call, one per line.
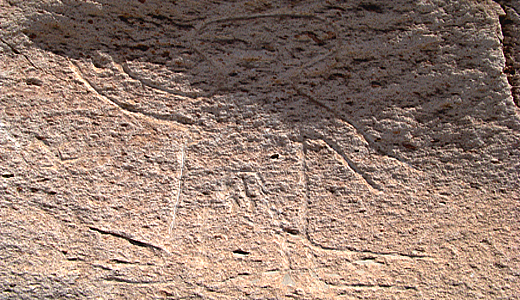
point(305, 149)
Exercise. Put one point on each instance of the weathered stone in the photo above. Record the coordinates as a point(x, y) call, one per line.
point(256, 149)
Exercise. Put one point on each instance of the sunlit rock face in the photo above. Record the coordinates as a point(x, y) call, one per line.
point(258, 149)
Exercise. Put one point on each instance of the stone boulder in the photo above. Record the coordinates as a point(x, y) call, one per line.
point(360, 149)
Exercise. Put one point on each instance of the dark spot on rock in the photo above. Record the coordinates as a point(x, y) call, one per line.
point(34, 81)
point(141, 47)
point(409, 146)
point(375, 84)
point(241, 252)
point(291, 230)
point(371, 7)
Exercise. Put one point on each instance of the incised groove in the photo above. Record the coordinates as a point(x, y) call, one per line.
point(131, 240)
point(366, 252)
point(370, 141)
point(127, 107)
point(336, 148)
point(18, 52)
point(191, 95)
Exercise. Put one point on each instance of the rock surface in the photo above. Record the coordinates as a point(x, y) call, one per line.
point(259, 150)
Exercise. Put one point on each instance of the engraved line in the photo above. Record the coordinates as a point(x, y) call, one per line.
point(149, 83)
point(127, 107)
point(179, 190)
point(352, 165)
point(358, 129)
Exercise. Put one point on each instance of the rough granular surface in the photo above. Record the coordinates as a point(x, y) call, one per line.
point(353, 149)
